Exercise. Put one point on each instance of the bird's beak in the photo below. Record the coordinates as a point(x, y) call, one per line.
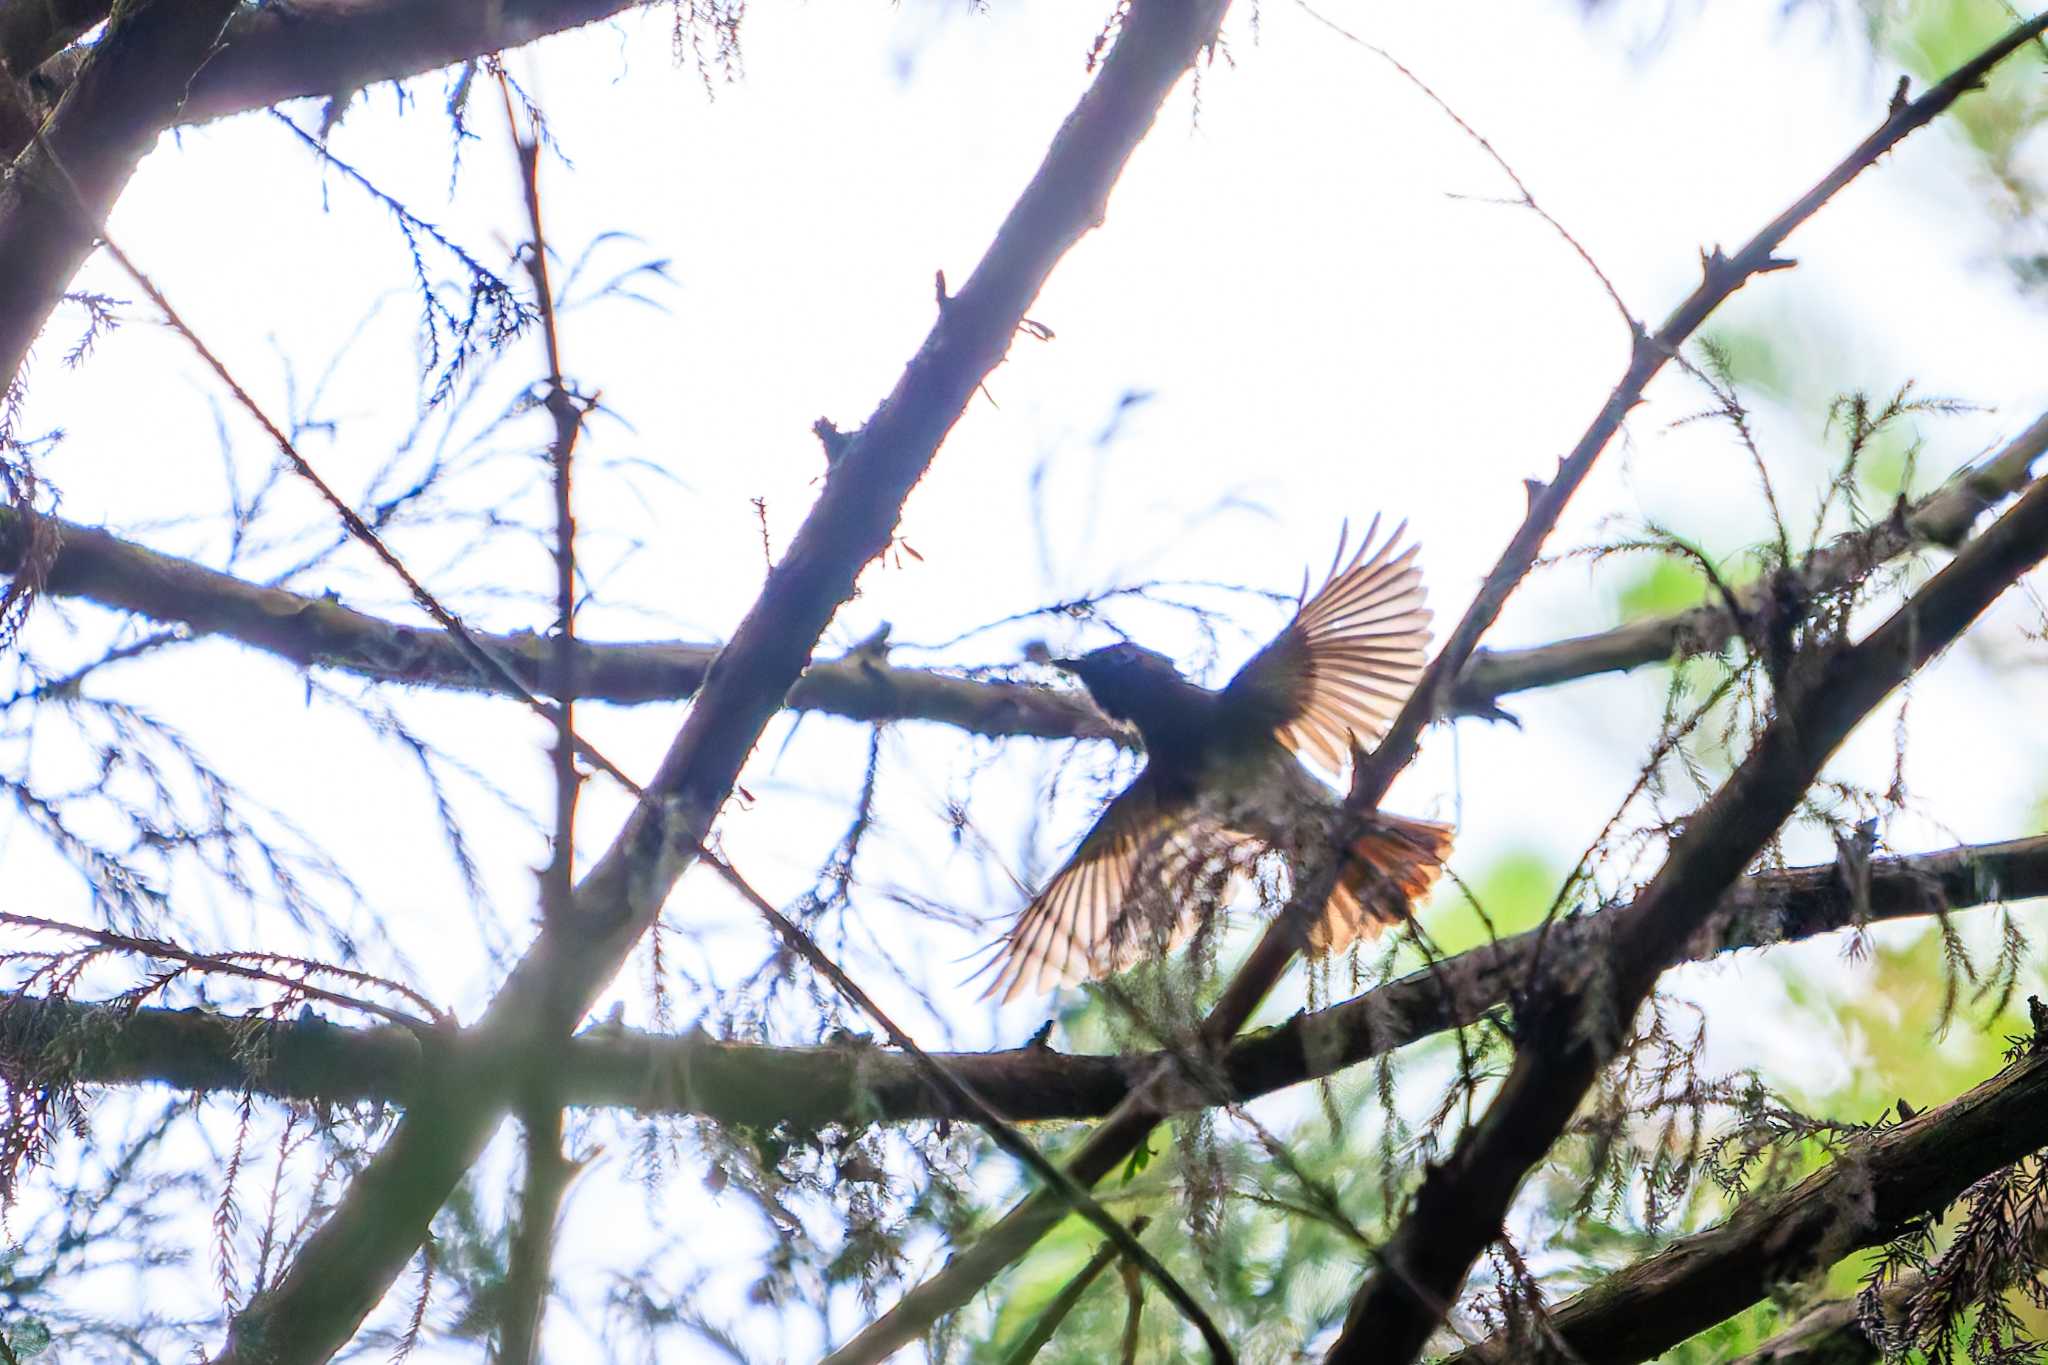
point(1066, 665)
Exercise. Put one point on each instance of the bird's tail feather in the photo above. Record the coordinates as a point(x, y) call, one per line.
point(1389, 870)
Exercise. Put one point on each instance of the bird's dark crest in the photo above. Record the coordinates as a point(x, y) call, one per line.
point(1122, 676)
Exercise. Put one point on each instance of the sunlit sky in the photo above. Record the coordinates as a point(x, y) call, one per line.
point(1302, 273)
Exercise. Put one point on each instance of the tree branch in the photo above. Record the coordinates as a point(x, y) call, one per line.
point(322, 49)
point(862, 685)
point(348, 1263)
point(128, 90)
point(312, 631)
point(1831, 1333)
point(1126, 1128)
point(1880, 1184)
point(1563, 1044)
point(1943, 517)
point(811, 1087)
point(1063, 1302)
point(529, 1269)
point(33, 31)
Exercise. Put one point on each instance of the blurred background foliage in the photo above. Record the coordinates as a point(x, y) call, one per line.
point(1839, 1030)
point(1919, 1018)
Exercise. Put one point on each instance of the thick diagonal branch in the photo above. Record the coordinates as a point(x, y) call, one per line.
point(126, 93)
point(811, 1087)
point(1126, 1128)
point(1877, 1186)
point(1562, 1045)
point(348, 1263)
point(1560, 1049)
point(317, 48)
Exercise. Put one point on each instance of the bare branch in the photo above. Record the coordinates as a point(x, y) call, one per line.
point(566, 410)
point(347, 1264)
point(1562, 1044)
point(1063, 1302)
point(1128, 1126)
point(128, 90)
point(317, 631)
point(1877, 1186)
point(530, 1266)
point(320, 49)
point(1827, 1334)
point(862, 1082)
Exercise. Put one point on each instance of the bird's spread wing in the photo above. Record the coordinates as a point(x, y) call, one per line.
point(1126, 893)
point(1348, 660)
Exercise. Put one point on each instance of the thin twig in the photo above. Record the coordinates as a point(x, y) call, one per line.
point(1063, 1302)
point(239, 964)
point(1128, 1126)
point(345, 1266)
point(567, 413)
point(1525, 198)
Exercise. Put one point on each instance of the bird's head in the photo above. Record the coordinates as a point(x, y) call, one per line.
point(1121, 677)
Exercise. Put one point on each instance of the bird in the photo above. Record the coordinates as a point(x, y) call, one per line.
point(1224, 781)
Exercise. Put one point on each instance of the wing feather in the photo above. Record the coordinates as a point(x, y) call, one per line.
point(1089, 921)
point(1346, 664)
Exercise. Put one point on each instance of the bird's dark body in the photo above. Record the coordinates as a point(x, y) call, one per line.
point(1222, 783)
point(1202, 742)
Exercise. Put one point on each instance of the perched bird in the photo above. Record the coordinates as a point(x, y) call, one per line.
point(1222, 783)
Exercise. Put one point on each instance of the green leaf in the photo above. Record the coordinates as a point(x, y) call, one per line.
point(1514, 890)
point(1663, 586)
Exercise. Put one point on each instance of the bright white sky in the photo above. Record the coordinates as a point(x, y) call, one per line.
point(1327, 322)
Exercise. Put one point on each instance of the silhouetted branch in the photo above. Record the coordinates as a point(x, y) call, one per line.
point(1944, 517)
point(1126, 1128)
point(529, 1268)
point(127, 91)
point(318, 49)
point(1562, 1043)
point(346, 1265)
point(1878, 1185)
point(109, 1044)
point(314, 631)
point(317, 631)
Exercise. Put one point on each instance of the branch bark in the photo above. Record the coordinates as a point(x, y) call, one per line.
point(33, 31)
point(529, 1268)
point(1128, 1126)
point(1943, 517)
point(1825, 693)
point(811, 1087)
point(1831, 1333)
point(322, 49)
point(309, 631)
point(348, 1263)
point(129, 89)
point(1878, 1187)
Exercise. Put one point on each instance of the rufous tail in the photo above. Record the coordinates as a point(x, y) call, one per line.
point(1388, 871)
